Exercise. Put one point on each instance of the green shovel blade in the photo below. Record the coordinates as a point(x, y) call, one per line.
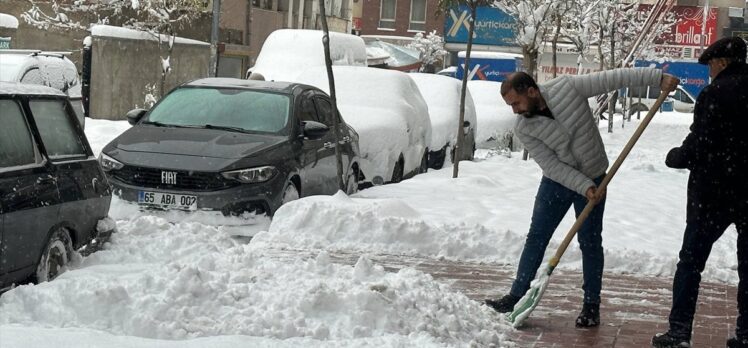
point(527, 303)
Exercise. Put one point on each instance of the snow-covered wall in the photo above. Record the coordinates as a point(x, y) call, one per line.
point(127, 66)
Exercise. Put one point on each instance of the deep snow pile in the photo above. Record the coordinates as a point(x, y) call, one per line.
point(484, 214)
point(174, 281)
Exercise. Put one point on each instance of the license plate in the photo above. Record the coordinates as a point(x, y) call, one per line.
point(168, 200)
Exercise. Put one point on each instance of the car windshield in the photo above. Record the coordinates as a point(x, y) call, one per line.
point(223, 108)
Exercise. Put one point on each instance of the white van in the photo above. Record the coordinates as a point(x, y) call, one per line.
point(52, 69)
point(682, 100)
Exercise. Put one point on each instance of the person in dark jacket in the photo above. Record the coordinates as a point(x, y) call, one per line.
point(716, 153)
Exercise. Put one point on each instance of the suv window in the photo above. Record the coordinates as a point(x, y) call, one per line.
point(307, 112)
point(16, 144)
point(56, 129)
point(324, 111)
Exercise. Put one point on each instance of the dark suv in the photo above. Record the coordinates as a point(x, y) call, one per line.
point(231, 145)
point(54, 197)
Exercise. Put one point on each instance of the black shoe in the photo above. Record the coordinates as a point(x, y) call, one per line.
point(735, 342)
point(504, 304)
point(668, 340)
point(589, 316)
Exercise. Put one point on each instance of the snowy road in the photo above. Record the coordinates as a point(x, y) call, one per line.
point(193, 278)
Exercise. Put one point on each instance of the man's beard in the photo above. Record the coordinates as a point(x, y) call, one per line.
point(532, 109)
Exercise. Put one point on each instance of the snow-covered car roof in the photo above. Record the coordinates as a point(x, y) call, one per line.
point(284, 87)
point(287, 53)
point(384, 106)
point(16, 88)
point(442, 94)
point(55, 70)
point(494, 115)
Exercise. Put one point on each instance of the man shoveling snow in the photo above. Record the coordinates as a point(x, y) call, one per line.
point(556, 126)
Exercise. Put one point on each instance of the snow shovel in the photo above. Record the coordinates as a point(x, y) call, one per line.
point(527, 303)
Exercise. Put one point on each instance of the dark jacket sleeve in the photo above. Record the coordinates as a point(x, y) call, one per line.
point(696, 144)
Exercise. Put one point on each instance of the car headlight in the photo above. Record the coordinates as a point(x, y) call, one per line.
point(107, 163)
point(251, 175)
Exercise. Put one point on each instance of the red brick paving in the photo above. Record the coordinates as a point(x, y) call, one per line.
point(633, 308)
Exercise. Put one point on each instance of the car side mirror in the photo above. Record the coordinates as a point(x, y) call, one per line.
point(134, 115)
point(314, 130)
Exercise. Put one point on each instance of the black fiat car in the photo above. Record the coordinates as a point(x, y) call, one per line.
point(231, 145)
point(54, 197)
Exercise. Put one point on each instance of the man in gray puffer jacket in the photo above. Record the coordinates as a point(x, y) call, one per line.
point(556, 126)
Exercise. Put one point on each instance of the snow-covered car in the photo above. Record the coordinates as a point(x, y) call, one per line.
point(52, 69)
point(448, 71)
point(387, 110)
point(286, 53)
point(495, 119)
point(54, 197)
point(442, 95)
point(233, 146)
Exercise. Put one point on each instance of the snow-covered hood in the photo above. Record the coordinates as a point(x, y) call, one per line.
point(210, 143)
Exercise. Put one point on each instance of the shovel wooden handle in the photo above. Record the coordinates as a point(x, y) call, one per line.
point(613, 169)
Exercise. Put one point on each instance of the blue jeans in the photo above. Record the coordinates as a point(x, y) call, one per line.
point(551, 204)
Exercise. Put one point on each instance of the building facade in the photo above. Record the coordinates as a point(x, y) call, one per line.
point(397, 17)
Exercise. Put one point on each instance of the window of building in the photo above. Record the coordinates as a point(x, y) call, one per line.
point(387, 14)
point(417, 15)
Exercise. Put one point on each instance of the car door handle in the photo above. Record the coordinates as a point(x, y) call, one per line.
point(46, 180)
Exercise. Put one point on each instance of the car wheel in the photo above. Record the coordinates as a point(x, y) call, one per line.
point(56, 256)
point(424, 162)
point(397, 173)
point(290, 193)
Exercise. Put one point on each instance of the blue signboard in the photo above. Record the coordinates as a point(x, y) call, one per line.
point(488, 69)
point(492, 26)
point(693, 76)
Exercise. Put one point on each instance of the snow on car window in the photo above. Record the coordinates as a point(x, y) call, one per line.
point(247, 110)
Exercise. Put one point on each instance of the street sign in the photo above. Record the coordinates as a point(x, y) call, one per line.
point(492, 26)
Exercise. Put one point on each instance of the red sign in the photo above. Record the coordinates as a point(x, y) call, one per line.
point(688, 27)
point(356, 23)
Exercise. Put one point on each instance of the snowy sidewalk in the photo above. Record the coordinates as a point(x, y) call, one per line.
point(634, 308)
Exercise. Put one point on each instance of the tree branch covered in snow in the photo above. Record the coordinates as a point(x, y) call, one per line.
point(160, 16)
point(578, 27)
point(533, 19)
point(431, 47)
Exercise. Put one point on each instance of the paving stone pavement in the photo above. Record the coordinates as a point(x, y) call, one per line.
point(633, 308)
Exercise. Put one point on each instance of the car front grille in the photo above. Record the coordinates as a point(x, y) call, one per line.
point(185, 180)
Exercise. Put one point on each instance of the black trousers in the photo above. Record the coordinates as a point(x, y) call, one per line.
point(707, 219)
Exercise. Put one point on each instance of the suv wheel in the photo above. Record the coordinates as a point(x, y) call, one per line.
point(290, 193)
point(56, 256)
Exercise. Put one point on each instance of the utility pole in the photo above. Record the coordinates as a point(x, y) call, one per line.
point(214, 38)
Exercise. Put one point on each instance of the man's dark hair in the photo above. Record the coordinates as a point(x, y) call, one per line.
point(519, 82)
